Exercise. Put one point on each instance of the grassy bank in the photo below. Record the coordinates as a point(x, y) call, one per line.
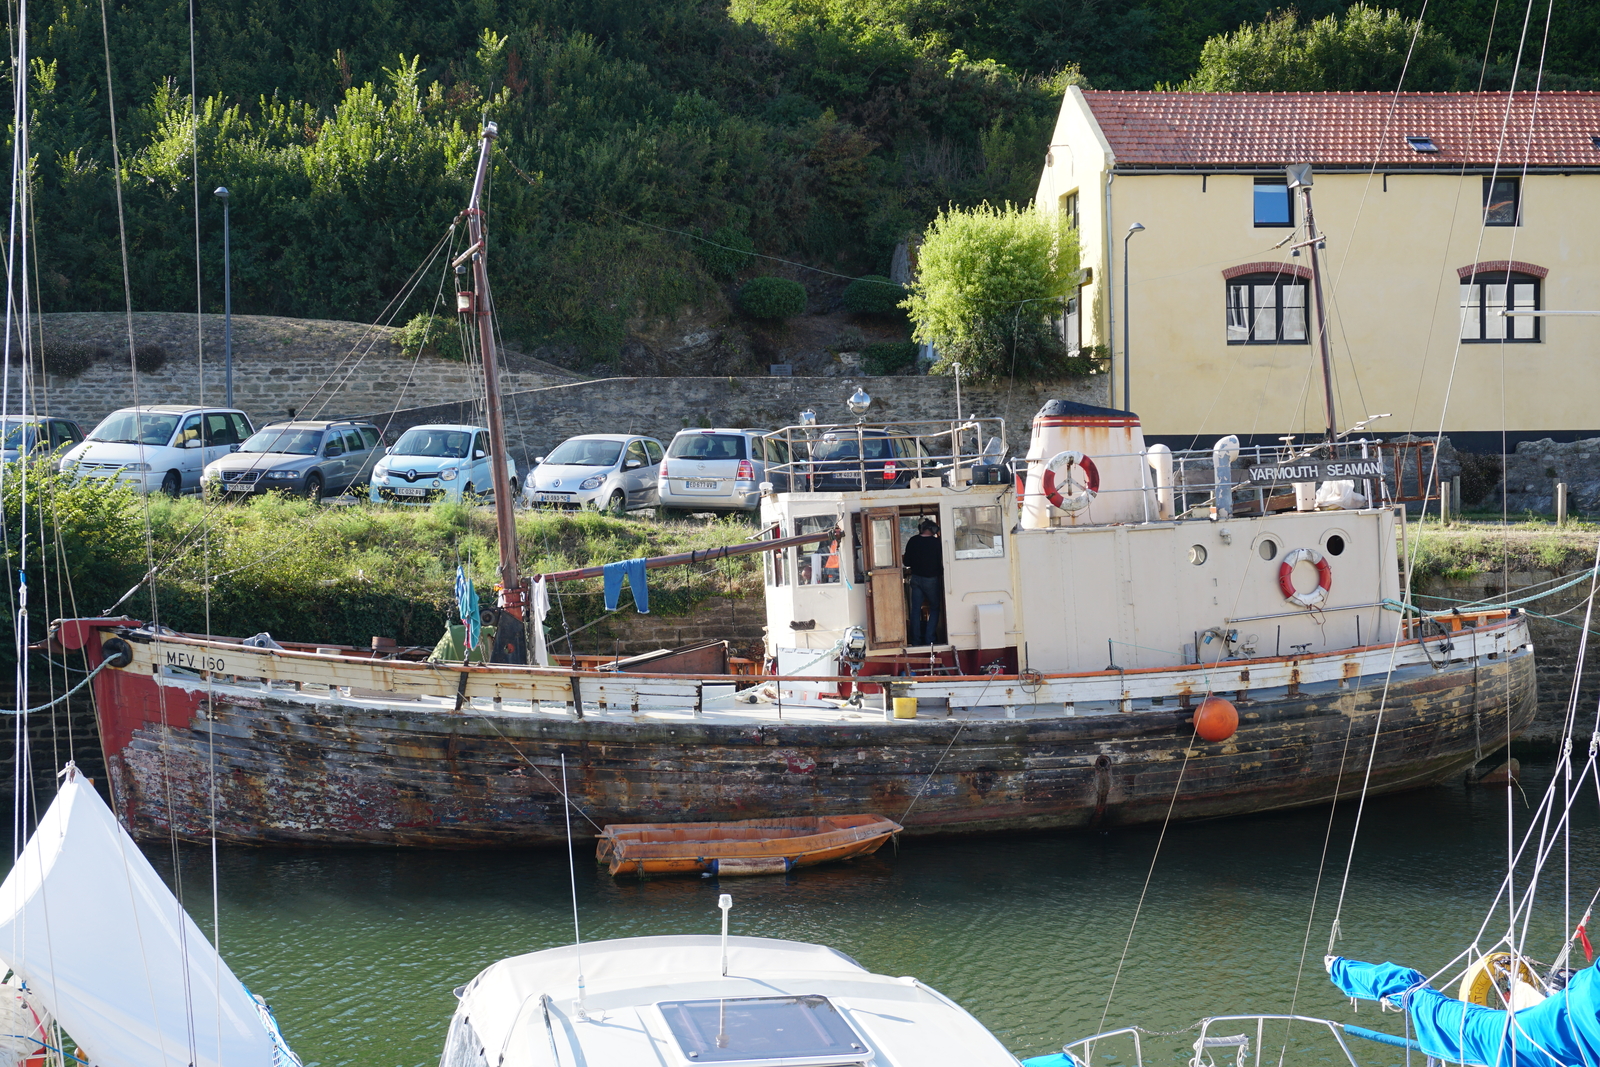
point(1462, 551)
point(338, 575)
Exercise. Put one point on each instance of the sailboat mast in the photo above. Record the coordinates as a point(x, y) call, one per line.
point(505, 519)
point(1300, 178)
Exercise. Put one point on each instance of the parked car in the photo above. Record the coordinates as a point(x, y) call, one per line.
point(853, 460)
point(718, 470)
point(609, 471)
point(313, 457)
point(158, 446)
point(433, 463)
point(36, 434)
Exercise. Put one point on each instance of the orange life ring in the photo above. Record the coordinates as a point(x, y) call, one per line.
point(1058, 476)
point(1286, 578)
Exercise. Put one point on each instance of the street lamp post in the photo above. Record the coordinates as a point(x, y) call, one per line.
point(1127, 313)
point(227, 300)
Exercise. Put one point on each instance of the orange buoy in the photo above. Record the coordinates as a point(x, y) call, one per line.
point(1215, 719)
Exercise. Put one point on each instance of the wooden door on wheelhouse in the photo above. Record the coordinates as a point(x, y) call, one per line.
point(886, 620)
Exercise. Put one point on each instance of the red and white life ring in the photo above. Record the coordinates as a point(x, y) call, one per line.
point(1319, 593)
point(1062, 490)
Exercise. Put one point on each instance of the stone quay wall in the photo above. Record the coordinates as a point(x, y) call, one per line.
point(539, 419)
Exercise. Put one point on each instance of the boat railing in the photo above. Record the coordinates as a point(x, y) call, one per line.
point(1214, 1046)
point(1183, 483)
point(1260, 479)
point(872, 455)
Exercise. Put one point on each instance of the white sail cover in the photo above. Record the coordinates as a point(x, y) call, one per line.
point(105, 947)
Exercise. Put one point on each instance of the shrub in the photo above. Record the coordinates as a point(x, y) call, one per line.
point(888, 357)
point(987, 280)
point(772, 298)
point(874, 295)
point(431, 335)
point(68, 359)
point(149, 357)
point(727, 253)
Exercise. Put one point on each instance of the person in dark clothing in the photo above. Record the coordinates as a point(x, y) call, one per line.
point(924, 559)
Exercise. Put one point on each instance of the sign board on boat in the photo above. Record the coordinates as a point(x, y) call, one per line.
point(1315, 470)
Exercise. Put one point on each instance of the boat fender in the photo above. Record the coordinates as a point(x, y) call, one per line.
point(1215, 720)
point(1058, 476)
point(1316, 596)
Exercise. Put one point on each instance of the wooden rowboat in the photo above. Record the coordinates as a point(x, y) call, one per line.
point(750, 846)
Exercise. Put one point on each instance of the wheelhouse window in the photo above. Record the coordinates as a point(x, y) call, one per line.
point(1273, 207)
point(979, 532)
point(1267, 309)
point(1502, 201)
point(818, 563)
point(1484, 296)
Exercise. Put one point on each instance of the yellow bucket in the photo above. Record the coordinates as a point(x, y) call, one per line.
point(905, 707)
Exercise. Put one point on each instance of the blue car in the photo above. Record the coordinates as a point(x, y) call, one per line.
point(433, 463)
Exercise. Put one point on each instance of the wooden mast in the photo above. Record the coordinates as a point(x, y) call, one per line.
point(482, 306)
point(1300, 178)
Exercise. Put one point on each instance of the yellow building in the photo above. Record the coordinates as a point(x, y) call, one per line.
point(1439, 210)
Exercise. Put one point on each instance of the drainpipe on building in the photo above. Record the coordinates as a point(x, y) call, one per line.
point(1111, 310)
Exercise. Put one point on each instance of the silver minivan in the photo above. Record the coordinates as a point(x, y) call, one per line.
point(158, 446)
point(718, 470)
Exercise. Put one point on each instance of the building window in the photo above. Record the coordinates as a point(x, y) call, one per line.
point(1267, 309)
point(1067, 206)
point(1502, 202)
point(1483, 296)
point(1069, 323)
point(1273, 206)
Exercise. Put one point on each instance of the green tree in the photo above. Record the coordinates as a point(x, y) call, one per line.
point(1365, 51)
point(987, 278)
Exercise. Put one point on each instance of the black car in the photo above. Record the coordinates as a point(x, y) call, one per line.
point(853, 460)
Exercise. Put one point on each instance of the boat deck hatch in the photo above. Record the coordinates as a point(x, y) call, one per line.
point(760, 1030)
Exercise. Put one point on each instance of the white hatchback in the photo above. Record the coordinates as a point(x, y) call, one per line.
point(158, 446)
point(612, 472)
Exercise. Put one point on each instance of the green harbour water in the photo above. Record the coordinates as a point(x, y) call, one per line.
point(358, 951)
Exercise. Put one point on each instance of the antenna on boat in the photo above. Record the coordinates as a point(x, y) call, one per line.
point(1300, 178)
point(572, 873)
point(725, 902)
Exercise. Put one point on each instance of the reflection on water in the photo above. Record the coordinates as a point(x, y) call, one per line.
point(358, 950)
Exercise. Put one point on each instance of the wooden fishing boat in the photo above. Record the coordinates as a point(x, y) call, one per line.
point(749, 846)
point(1097, 597)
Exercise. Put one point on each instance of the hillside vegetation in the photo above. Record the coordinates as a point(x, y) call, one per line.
point(823, 131)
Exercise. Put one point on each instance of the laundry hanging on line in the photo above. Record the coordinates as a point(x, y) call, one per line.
point(631, 570)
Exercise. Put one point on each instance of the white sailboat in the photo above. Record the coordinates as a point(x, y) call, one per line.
point(98, 947)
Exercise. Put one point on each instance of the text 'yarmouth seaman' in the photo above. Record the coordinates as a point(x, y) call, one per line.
point(1315, 470)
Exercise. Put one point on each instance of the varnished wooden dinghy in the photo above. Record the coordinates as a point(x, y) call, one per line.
point(749, 846)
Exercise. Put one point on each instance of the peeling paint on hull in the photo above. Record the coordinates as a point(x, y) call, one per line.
point(295, 773)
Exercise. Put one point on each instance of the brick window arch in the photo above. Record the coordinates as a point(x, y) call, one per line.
point(1267, 304)
point(1493, 286)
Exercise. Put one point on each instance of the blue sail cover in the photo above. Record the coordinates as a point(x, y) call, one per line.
point(1561, 1031)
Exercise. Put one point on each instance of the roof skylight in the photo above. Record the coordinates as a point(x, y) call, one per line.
point(1422, 144)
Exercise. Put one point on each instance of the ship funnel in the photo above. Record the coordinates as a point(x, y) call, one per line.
point(1108, 484)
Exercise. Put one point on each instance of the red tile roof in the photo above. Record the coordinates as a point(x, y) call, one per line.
point(1351, 129)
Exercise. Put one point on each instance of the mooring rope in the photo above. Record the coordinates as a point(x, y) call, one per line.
point(60, 699)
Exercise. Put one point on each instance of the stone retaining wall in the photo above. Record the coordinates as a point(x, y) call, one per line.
point(315, 369)
point(539, 419)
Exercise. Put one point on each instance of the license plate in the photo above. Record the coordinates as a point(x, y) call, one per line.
point(405, 491)
point(239, 488)
point(553, 498)
point(699, 483)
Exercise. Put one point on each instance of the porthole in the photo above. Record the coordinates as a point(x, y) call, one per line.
point(1334, 544)
point(1197, 554)
point(1268, 548)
